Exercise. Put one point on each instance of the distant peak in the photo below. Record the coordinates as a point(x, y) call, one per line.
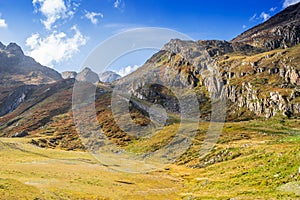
point(109, 76)
point(87, 75)
point(86, 69)
point(2, 46)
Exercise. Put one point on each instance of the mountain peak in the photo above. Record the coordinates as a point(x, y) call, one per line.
point(87, 75)
point(2, 46)
point(15, 49)
point(14, 63)
point(109, 76)
point(86, 69)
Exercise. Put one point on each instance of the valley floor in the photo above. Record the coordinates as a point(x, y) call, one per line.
point(251, 161)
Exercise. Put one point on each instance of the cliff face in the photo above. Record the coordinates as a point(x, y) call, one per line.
point(264, 84)
point(256, 79)
point(256, 75)
point(12, 97)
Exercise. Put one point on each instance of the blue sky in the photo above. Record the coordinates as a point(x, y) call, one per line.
point(62, 33)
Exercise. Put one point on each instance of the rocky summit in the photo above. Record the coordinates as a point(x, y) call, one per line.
point(109, 76)
point(168, 111)
point(17, 68)
point(87, 75)
point(256, 80)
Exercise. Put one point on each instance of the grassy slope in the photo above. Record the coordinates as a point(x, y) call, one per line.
point(29, 172)
point(252, 160)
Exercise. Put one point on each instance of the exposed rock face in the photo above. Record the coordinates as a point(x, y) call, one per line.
point(109, 76)
point(87, 75)
point(16, 68)
point(19, 76)
point(282, 30)
point(14, 98)
point(261, 83)
point(264, 84)
point(172, 72)
point(68, 74)
point(268, 106)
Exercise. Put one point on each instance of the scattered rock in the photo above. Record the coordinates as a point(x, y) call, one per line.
point(20, 134)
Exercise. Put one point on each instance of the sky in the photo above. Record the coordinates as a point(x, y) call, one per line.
point(62, 33)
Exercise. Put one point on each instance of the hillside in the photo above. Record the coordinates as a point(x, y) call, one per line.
point(280, 31)
point(254, 82)
point(166, 110)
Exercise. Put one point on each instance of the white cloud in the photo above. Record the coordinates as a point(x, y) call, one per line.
point(273, 9)
point(92, 16)
point(253, 18)
point(3, 23)
point(55, 47)
point(127, 70)
point(120, 4)
point(264, 16)
point(244, 26)
point(52, 10)
point(288, 3)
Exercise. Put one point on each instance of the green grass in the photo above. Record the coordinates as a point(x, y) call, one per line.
point(28, 172)
point(255, 159)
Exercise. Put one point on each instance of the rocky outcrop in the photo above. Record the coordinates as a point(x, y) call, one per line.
point(20, 134)
point(273, 103)
point(68, 74)
point(109, 76)
point(87, 75)
point(15, 97)
point(213, 65)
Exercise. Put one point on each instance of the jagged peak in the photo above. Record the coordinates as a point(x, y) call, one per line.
point(179, 42)
point(2, 46)
point(13, 48)
point(87, 75)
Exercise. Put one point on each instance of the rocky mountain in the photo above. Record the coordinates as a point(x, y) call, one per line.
point(256, 81)
point(19, 76)
point(44, 115)
point(68, 74)
point(280, 31)
point(17, 68)
point(256, 78)
point(87, 75)
point(109, 76)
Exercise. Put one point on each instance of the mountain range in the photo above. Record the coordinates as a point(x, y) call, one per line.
point(257, 72)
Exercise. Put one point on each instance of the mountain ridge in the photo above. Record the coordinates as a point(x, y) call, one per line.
point(17, 68)
point(281, 30)
point(257, 82)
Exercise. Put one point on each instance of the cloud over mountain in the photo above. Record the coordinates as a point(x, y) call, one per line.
point(55, 47)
